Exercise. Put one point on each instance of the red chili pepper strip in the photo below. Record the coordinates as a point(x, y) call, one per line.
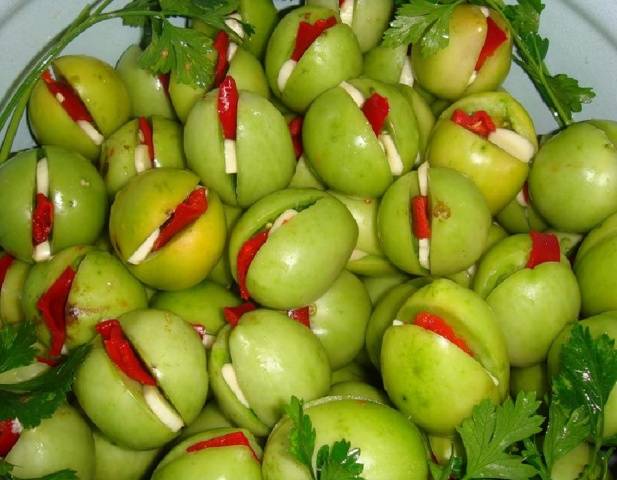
point(479, 122)
point(148, 137)
point(121, 352)
point(229, 440)
point(233, 314)
point(5, 263)
point(164, 79)
point(308, 33)
point(42, 219)
point(228, 107)
point(221, 45)
point(295, 129)
point(70, 101)
point(495, 37)
point(52, 305)
point(301, 315)
point(8, 438)
point(420, 217)
point(245, 256)
point(52, 362)
point(186, 213)
point(376, 110)
point(526, 192)
point(544, 248)
point(437, 325)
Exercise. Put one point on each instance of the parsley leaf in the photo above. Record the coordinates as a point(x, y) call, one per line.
point(339, 462)
point(422, 22)
point(33, 400)
point(6, 469)
point(302, 436)
point(137, 6)
point(489, 433)
point(185, 51)
point(588, 374)
point(565, 431)
point(16, 346)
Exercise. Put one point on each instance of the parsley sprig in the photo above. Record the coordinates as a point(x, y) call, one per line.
point(189, 54)
point(426, 23)
point(502, 441)
point(336, 462)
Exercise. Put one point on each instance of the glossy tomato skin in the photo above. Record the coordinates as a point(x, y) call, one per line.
point(118, 463)
point(573, 179)
point(100, 89)
point(447, 73)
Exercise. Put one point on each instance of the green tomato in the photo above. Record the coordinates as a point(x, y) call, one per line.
point(11, 289)
point(531, 305)
point(596, 267)
point(102, 289)
point(117, 162)
point(299, 261)
point(498, 174)
point(359, 390)
point(377, 287)
point(273, 358)
point(220, 463)
point(211, 417)
point(572, 464)
point(221, 273)
point(605, 323)
point(202, 304)
point(355, 371)
point(143, 206)
point(520, 217)
point(118, 463)
point(390, 446)
point(75, 189)
point(573, 179)
point(147, 91)
point(344, 151)
point(265, 157)
point(115, 403)
point(332, 58)
point(413, 357)
point(367, 18)
point(63, 441)
point(458, 215)
point(339, 318)
point(451, 73)
point(101, 90)
point(530, 379)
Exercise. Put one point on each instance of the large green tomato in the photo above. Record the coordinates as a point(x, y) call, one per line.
point(118, 463)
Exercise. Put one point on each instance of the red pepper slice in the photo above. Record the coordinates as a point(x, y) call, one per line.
point(42, 219)
point(340, 3)
point(5, 263)
point(495, 37)
point(52, 362)
point(544, 248)
point(70, 101)
point(420, 217)
point(295, 129)
point(186, 213)
point(164, 79)
point(233, 314)
point(526, 192)
point(221, 45)
point(376, 110)
point(308, 33)
point(52, 305)
point(148, 137)
point(245, 256)
point(228, 107)
point(8, 438)
point(228, 440)
point(301, 315)
point(437, 325)
point(121, 352)
point(478, 122)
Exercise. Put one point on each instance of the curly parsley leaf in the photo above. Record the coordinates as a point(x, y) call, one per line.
point(6, 469)
point(185, 51)
point(16, 346)
point(587, 376)
point(33, 400)
point(422, 22)
point(339, 462)
point(490, 432)
point(302, 435)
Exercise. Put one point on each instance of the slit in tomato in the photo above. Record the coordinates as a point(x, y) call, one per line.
point(376, 109)
point(301, 315)
point(479, 122)
point(228, 440)
point(245, 257)
point(437, 325)
point(544, 248)
point(308, 33)
point(495, 37)
point(5, 263)
point(10, 431)
point(234, 314)
point(295, 130)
